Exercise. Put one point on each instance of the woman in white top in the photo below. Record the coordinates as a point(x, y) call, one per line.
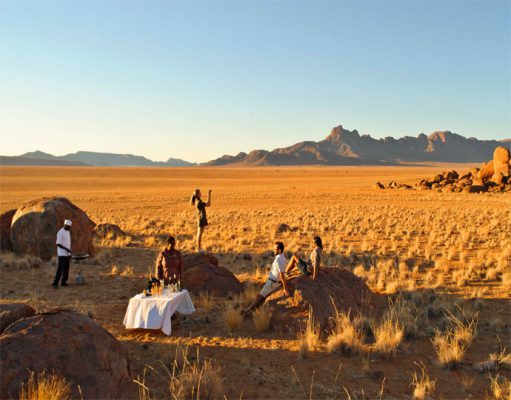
point(312, 265)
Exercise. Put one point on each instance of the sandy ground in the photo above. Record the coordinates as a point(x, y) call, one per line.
point(338, 203)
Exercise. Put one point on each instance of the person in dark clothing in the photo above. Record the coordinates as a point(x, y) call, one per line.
point(64, 254)
point(169, 263)
point(202, 220)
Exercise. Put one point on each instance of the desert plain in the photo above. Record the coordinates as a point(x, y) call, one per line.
point(442, 261)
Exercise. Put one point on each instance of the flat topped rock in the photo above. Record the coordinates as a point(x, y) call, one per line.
point(72, 345)
point(12, 312)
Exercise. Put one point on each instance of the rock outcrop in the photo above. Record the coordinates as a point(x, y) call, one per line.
point(334, 289)
point(202, 273)
point(35, 225)
point(5, 230)
point(493, 176)
point(109, 231)
point(12, 312)
point(74, 347)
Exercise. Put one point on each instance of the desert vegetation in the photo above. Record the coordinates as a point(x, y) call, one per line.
point(441, 263)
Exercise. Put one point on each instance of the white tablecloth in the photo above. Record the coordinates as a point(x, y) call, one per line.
point(155, 312)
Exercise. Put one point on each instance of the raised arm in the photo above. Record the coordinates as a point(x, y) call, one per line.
point(208, 203)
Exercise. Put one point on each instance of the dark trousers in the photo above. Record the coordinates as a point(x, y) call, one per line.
point(62, 270)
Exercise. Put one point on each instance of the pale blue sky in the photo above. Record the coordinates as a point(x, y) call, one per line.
point(196, 80)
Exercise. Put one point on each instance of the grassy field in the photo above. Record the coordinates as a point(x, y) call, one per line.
point(444, 260)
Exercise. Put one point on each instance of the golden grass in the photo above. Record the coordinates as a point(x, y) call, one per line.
point(399, 243)
point(388, 335)
point(309, 338)
point(233, 318)
point(451, 345)
point(261, 317)
point(422, 384)
point(345, 336)
point(43, 386)
point(500, 387)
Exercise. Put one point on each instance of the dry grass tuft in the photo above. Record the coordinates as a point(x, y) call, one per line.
point(388, 336)
point(309, 339)
point(451, 345)
point(422, 385)
point(45, 387)
point(233, 318)
point(500, 387)
point(262, 318)
point(345, 336)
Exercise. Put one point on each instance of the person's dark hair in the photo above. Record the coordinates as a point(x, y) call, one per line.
point(194, 197)
point(318, 242)
point(280, 246)
point(170, 239)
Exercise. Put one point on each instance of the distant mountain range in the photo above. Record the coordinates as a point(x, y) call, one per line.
point(344, 147)
point(341, 147)
point(89, 158)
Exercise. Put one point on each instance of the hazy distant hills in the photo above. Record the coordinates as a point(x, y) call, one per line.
point(341, 147)
point(344, 147)
point(90, 158)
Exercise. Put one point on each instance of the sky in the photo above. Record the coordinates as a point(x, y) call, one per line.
point(196, 80)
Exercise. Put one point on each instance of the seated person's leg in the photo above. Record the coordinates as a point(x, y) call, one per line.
point(292, 263)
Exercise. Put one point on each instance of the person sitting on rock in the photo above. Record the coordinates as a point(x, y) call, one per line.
point(276, 278)
point(312, 265)
point(64, 254)
point(169, 263)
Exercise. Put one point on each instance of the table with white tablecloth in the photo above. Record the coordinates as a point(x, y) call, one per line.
point(155, 312)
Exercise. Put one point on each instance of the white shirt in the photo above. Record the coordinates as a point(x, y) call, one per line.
point(279, 265)
point(64, 239)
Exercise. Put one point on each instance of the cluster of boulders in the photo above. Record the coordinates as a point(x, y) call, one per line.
point(32, 228)
point(493, 176)
point(68, 344)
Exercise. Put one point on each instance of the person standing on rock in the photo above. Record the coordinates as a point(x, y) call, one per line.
point(169, 263)
point(64, 254)
point(202, 220)
point(276, 278)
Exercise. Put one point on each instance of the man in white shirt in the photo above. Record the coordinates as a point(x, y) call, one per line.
point(275, 280)
point(64, 254)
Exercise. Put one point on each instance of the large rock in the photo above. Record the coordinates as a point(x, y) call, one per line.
point(486, 171)
point(196, 259)
point(501, 155)
point(334, 288)
point(109, 231)
point(5, 230)
point(12, 312)
point(202, 273)
point(74, 347)
point(35, 225)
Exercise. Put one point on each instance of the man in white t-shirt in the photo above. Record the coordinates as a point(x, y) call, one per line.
point(276, 278)
point(64, 254)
